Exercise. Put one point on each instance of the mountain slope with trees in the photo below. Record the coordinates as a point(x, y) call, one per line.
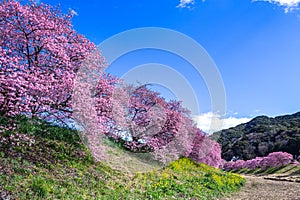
point(261, 136)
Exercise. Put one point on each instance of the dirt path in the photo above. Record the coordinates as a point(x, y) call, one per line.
point(258, 188)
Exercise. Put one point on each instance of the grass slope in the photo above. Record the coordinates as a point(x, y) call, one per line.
point(58, 166)
point(288, 170)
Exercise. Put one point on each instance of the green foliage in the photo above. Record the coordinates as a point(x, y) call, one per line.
point(39, 186)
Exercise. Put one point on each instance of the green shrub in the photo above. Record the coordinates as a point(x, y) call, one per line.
point(39, 187)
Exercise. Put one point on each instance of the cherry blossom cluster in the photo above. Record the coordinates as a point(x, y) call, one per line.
point(49, 71)
point(139, 119)
point(136, 117)
point(39, 56)
point(275, 159)
point(206, 151)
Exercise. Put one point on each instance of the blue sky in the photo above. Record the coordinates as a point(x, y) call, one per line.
point(254, 44)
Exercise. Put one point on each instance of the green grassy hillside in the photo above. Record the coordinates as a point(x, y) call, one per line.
point(48, 162)
point(288, 170)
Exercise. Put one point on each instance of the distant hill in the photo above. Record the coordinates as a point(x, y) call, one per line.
point(261, 136)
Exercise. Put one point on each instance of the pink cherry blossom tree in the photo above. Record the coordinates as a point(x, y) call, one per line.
point(276, 159)
point(142, 121)
point(40, 53)
point(135, 116)
point(206, 150)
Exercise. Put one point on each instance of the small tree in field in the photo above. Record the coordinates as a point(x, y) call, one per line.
point(39, 56)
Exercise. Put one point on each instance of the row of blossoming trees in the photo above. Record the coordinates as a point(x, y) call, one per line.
point(41, 56)
point(275, 159)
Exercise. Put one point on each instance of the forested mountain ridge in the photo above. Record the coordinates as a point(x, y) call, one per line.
point(261, 136)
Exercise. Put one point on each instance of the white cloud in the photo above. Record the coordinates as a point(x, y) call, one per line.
point(212, 122)
point(185, 3)
point(288, 4)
